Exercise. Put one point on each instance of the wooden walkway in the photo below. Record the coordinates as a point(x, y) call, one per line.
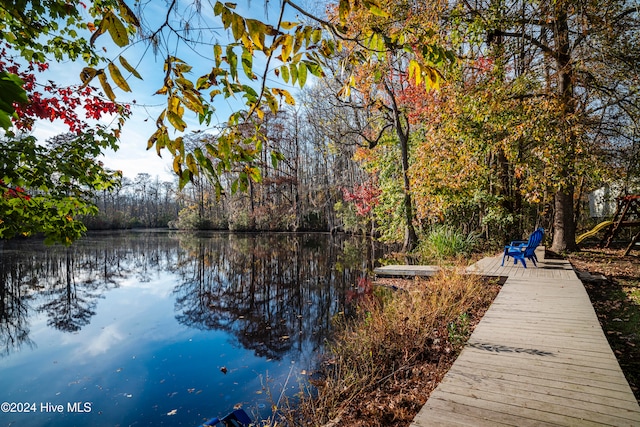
point(537, 358)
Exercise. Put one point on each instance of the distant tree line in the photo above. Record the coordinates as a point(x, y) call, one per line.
point(305, 171)
point(142, 202)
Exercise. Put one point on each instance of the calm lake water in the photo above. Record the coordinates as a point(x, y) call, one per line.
point(158, 328)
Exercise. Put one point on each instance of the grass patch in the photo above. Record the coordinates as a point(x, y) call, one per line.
point(387, 358)
point(444, 242)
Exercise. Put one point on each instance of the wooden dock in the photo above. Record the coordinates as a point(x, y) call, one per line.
point(407, 270)
point(537, 358)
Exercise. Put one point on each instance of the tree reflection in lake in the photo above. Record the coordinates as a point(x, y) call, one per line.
point(15, 294)
point(272, 293)
point(145, 303)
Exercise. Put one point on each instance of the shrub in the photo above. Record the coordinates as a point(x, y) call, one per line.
point(445, 242)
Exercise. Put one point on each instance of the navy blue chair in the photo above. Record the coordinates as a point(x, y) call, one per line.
point(521, 250)
point(237, 418)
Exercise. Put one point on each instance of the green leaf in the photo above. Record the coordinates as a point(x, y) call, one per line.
point(302, 74)
point(5, 120)
point(250, 94)
point(11, 88)
point(314, 68)
point(164, 141)
point(11, 92)
point(185, 178)
point(294, 73)
point(316, 35)
point(276, 156)
point(232, 59)
point(247, 62)
point(285, 73)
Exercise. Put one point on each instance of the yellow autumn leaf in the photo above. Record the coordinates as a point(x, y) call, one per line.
point(129, 68)
point(108, 91)
point(117, 77)
point(237, 26)
point(176, 121)
point(191, 164)
point(177, 167)
point(116, 29)
point(284, 94)
point(87, 74)
point(257, 31)
point(415, 72)
point(287, 25)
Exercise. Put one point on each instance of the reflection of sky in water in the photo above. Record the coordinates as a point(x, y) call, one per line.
point(138, 366)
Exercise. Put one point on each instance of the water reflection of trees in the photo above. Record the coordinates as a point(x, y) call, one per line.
point(15, 295)
point(67, 283)
point(275, 293)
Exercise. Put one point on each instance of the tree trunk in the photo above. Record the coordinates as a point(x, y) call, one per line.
point(402, 131)
point(410, 237)
point(564, 230)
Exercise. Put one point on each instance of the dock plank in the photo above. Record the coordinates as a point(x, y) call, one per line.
point(538, 357)
point(407, 270)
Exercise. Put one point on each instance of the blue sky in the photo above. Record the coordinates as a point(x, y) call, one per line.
point(132, 157)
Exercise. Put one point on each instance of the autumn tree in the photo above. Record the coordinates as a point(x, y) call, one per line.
point(45, 187)
point(581, 60)
point(239, 67)
point(383, 53)
point(472, 166)
point(334, 129)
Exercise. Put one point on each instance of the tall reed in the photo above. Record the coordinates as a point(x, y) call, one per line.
point(393, 335)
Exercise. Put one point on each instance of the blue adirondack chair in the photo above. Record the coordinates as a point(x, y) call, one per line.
point(237, 418)
point(521, 250)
